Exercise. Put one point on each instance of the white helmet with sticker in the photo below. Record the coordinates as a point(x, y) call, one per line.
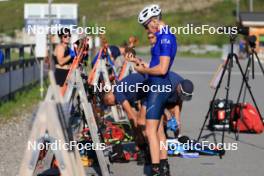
point(148, 12)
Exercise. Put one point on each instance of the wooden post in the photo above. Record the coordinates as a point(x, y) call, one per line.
point(22, 60)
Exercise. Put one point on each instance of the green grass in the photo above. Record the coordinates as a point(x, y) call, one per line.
point(219, 15)
point(119, 29)
point(21, 103)
point(15, 56)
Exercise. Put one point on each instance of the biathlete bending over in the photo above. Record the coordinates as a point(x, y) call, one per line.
point(130, 90)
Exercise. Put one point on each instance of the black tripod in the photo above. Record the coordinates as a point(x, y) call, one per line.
point(228, 66)
point(250, 63)
point(252, 43)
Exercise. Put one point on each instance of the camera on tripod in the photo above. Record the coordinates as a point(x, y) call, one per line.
point(220, 114)
point(220, 111)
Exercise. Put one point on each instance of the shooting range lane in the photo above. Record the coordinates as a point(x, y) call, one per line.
point(250, 147)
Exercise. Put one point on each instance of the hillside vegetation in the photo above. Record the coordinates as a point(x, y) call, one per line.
point(120, 16)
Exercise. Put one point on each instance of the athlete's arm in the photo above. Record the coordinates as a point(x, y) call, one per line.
point(168, 114)
point(60, 55)
point(177, 112)
point(129, 57)
point(130, 112)
point(142, 115)
point(160, 69)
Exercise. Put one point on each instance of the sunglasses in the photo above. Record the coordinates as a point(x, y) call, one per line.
point(65, 36)
point(150, 37)
point(185, 95)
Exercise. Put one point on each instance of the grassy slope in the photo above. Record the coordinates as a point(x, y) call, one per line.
point(219, 15)
point(118, 30)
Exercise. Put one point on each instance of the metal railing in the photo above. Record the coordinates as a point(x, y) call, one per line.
point(19, 69)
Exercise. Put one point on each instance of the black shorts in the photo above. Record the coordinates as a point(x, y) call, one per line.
point(60, 76)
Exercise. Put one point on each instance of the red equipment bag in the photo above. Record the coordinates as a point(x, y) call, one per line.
point(245, 118)
point(113, 133)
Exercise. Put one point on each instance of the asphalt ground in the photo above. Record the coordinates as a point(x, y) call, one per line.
point(246, 160)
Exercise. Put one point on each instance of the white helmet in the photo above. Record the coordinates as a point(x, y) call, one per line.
point(149, 12)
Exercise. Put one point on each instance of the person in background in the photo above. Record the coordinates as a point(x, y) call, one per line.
point(242, 49)
point(2, 58)
point(63, 56)
point(152, 39)
point(118, 52)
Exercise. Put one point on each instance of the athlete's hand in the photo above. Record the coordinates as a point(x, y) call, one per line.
point(130, 57)
point(140, 68)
